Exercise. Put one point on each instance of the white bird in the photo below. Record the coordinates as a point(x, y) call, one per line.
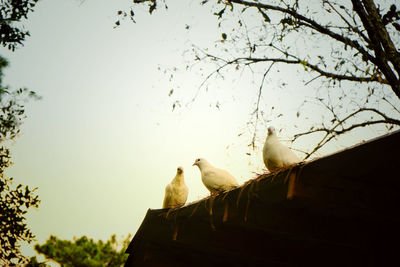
point(275, 155)
point(216, 180)
point(176, 192)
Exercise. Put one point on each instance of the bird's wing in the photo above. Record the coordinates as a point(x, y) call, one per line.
point(211, 179)
point(228, 179)
point(277, 156)
point(218, 179)
point(288, 156)
point(180, 194)
point(167, 197)
point(185, 193)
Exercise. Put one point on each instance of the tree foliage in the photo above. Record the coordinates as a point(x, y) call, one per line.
point(350, 47)
point(84, 251)
point(33, 262)
point(14, 201)
point(12, 12)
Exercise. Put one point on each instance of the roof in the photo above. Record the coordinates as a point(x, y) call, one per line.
point(339, 210)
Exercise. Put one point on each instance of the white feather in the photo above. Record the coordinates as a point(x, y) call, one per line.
point(277, 156)
point(215, 179)
point(176, 192)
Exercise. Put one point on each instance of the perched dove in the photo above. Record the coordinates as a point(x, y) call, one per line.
point(176, 192)
point(216, 180)
point(277, 156)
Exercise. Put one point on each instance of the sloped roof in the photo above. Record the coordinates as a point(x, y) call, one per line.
point(340, 210)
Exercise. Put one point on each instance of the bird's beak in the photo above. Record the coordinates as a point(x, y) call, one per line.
point(194, 164)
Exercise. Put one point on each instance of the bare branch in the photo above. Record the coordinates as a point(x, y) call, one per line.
point(354, 29)
point(391, 104)
point(380, 29)
point(313, 79)
point(330, 133)
point(372, 57)
point(311, 24)
point(247, 60)
point(376, 31)
point(256, 111)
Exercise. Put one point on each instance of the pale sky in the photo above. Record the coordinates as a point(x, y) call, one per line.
point(103, 141)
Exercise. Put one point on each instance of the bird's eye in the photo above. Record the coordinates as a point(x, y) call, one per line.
point(197, 159)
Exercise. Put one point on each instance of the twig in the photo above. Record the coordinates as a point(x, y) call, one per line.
point(256, 111)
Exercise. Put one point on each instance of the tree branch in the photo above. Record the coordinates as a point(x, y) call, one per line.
point(380, 29)
point(249, 60)
point(381, 58)
point(354, 29)
point(330, 133)
point(256, 111)
point(312, 24)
